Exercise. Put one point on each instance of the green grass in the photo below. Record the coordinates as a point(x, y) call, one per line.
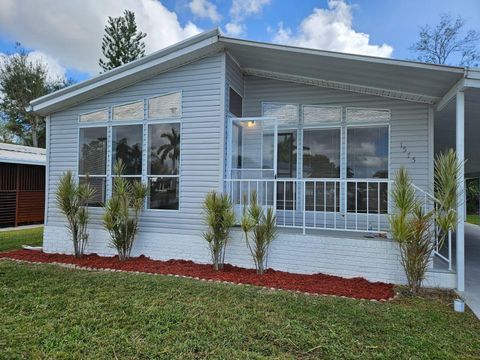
point(52, 312)
point(11, 240)
point(473, 219)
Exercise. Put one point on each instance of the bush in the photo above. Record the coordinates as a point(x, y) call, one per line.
point(220, 217)
point(72, 199)
point(412, 230)
point(122, 211)
point(259, 229)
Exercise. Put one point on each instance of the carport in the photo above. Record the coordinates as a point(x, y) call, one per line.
point(457, 126)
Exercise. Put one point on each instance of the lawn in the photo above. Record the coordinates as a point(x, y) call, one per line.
point(14, 239)
point(52, 312)
point(473, 219)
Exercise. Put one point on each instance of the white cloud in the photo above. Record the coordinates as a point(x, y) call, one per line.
point(331, 29)
point(240, 10)
point(73, 34)
point(234, 29)
point(204, 9)
point(55, 71)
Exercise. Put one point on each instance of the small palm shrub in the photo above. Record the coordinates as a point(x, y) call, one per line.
point(259, 229)
point(412, 229)
point(122, 211)
point(72, 199)
point(219, 217)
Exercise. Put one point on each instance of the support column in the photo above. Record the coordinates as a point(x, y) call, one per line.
point(460, 143)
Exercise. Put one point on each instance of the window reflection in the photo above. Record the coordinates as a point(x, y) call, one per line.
point(127, 146)
point(321, 153)
point(164, 153)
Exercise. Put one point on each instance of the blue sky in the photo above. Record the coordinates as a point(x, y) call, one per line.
point(70, 41)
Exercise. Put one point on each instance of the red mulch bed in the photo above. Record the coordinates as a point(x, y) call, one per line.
point(316, 284)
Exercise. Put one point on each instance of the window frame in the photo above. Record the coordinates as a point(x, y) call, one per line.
point(230, 114)
point(89, 125)
point(180, 163)
point(110, 123)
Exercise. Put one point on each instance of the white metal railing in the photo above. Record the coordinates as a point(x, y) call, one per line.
point(331, 204)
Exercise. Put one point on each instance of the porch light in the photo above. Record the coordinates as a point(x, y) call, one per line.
point(251, 124)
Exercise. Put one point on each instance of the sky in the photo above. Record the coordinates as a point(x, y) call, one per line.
point(67, 35)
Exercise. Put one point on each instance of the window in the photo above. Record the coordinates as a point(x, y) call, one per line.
point(131, 111)
point(321, 159)
point(165, 106)
point(92, 161)
point(357, 115)
point(235, 106)
point(127, 147)
point(321, 115)
point(367, 158)
point(163, 166)
point(286, 114)
point(100, 115)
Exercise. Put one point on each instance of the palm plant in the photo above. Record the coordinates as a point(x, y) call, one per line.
point(122, 211)
point(412, 229)
point(170, 149)
point(447, 171)
point(220, 217)
point(72, 199)
point(259, 229)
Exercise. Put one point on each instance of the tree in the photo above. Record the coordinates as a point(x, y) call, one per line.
point(21, 81)
point(121, 42)
point(170, 149)
point(446, 41)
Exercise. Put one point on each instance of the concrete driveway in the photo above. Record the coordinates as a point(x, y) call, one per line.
point(472, 267)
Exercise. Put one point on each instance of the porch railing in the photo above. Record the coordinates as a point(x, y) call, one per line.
point(360, 205)
point(329, 204)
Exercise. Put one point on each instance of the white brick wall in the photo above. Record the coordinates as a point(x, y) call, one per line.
point(373, 259)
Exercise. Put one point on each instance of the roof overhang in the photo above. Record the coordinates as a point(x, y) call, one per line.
point(179, 54)
point(398, 79)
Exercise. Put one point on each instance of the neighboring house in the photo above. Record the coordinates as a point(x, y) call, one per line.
point(22, 185)
point(318, 135)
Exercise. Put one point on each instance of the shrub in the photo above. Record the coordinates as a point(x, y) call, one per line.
point(122, 211)
point(447, 171)
point(220, 217)
point(412, 229)
point(72, 199)
point(259, 229)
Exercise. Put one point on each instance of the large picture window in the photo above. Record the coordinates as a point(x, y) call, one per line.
point(163, 165)
point(127, 147)
point(92, 161)
point(367, 158)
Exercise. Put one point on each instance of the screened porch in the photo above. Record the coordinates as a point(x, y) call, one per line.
point(318, 167)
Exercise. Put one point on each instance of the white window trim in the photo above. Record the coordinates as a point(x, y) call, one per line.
point(145, 122)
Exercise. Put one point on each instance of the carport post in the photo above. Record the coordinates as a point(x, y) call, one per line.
point(460, 143)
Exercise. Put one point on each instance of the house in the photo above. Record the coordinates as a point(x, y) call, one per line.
point(318, 136)
point(22, 185)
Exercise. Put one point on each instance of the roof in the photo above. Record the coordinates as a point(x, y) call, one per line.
point(18, 154)
point(401, 79)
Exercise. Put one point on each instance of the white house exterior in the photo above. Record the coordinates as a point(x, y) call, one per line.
point(317, 135)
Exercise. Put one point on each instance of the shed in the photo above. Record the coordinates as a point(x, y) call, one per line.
point(22, 185)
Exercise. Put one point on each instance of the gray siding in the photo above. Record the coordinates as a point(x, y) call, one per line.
point(201, 84)
point(408, 125)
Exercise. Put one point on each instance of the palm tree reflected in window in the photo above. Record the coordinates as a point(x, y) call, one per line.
point(163, 165)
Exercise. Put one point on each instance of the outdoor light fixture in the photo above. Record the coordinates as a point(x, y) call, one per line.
point(251, 124)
